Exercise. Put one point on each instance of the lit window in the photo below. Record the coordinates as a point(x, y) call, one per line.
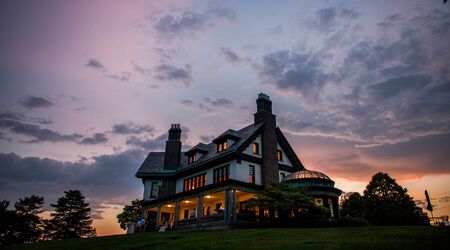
point(194, 182)
point(192, 159)
point(154, 190)
point(256, 148)
point(279, 155)
point(221, 174)
point(221, 146)
point(251, 174)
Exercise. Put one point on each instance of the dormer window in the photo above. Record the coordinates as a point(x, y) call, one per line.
point(255, 148)
point(280, 155)
point(192, 159)
point(222, 146)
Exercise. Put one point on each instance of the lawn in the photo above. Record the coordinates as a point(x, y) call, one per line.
point(298, 238)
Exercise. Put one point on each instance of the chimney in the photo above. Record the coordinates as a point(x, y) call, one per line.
point(173, 148)
point(269, 168)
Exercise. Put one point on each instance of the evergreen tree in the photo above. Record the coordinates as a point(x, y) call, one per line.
point(7, 224)
point(130, 214)
point(28, 224)
point(387, 203)
point(71, 218)
point(353, 206)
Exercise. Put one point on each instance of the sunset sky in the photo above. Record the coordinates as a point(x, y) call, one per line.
point(88, 88)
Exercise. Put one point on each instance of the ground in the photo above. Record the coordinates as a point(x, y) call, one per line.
point(298, 238)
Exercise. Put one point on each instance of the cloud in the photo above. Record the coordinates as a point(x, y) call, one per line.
point(229, 55)
point(19, 124)
point(166, 72)
point(211, 105)
point(95, 64)
point(37, 133)
point(156, 143)
point(187, 102)
point(131, 128)
point(32, 102)
point(328, 19)
point(98, 178)
point(275, 30)
point(123, 76)
point(371, 91)
point(141, 70)
point(97, 138)
point(188, 23)
point(290, 70)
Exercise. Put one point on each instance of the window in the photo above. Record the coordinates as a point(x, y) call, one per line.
point(221, 146)
point(280, 155)
point(251, 174)
point(221, 174)
point(282, 176)
point(154, 190)
point(192, 159)
point(256, 148)
point(194, 182)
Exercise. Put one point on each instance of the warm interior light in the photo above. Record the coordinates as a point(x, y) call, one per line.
point(169, 205)
point(186, 201)
point(208, 197)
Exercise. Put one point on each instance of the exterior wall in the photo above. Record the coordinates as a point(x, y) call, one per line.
point(285, 161)
point(209, 175)
point(249, 149)
point(148, 188)
point(242, 172)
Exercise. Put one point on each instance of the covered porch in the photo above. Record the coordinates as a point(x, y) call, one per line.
point(215, 207)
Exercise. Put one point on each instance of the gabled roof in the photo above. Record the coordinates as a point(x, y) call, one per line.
point(229, 134)
point(201, 148)
point(154, 163)
point(284, 144)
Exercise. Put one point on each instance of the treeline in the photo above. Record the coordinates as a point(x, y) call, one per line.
point(384, 203)
point(25, 224)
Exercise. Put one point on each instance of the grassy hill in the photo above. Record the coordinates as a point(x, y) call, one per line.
point(298, 238)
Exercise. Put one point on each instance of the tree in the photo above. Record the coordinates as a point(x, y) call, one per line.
point(130, 213)
point(28, 225)
point(353, 206)
point(387, 203)
point(71, 218)
point(287, 200)
point(7, 224)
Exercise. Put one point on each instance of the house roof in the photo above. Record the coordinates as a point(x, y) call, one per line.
point(154, 163)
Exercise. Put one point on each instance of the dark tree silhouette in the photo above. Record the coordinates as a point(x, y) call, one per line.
point(28, 225)
point(286, 200)
point(387, 203)
point(353, 206)
point(7, 224)
point(71, 218)
point(130, 213)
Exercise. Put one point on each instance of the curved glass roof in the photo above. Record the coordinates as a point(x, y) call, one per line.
point(307, 174)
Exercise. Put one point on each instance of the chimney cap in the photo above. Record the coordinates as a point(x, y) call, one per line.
point(263, 96)
point(175, 126)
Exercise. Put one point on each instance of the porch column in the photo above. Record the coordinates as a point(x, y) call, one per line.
point(234, 206)
point(158, 217)
point(177, 212)
point(199, 208)
point(228, 205)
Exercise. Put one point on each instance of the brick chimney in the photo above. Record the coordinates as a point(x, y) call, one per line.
point(173, 148)
point(269, 168)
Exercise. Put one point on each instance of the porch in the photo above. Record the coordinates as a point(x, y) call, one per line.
point(208, 208)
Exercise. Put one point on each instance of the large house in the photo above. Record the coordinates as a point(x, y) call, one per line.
point(209, 184)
